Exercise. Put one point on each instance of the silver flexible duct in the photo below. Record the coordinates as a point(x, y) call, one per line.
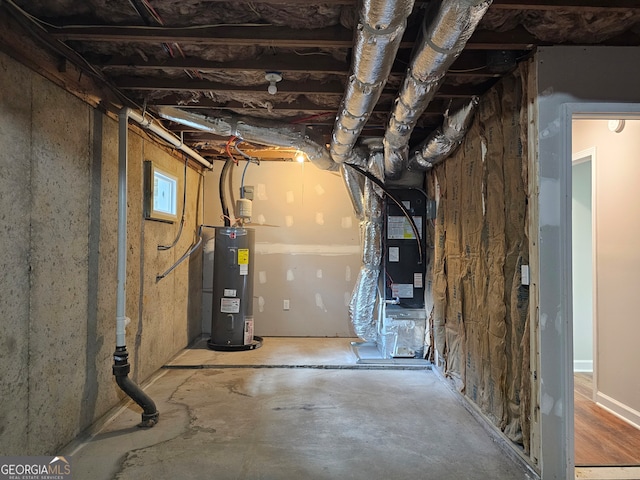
point(256, 131)
point(355, 188)
point(363, 300)
point(442, 41)
point(378, 35)
point(443, 141)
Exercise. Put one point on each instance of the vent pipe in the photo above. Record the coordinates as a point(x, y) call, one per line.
point(121, 366)
point(443, 141)
point(442, 42)
point(378, 35)
point(254, 130)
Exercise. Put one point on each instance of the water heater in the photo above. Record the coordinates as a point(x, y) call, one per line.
point(232, 312)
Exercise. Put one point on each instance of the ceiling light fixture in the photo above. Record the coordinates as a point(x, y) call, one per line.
point(300, 157)
point(615, 125)
point(273, 78)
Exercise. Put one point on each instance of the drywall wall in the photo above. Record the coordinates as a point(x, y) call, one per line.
point(58, 198)
point(617, 207)
point(307, 248)
point(480, 308)
point(582, 266)
point(567, 80)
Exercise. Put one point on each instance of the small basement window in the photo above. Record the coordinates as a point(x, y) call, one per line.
point(160, 194)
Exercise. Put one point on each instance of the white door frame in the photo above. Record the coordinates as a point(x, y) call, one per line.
point(589, 155)
point(555, 297)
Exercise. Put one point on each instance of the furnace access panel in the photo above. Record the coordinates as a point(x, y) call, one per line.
point(405, 257)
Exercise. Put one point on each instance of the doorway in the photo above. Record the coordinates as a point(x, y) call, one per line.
point(605, 225)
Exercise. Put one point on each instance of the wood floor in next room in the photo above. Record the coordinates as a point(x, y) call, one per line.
point(601, 438)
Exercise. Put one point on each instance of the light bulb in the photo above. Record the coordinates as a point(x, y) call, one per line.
point(272, 78)
point(300, 157)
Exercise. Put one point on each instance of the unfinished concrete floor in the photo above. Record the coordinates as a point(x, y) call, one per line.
point(256, 415)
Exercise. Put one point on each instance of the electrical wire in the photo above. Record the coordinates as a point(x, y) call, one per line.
point(242, 179)
point(227, 149)
point(304, 54)
point(186, 255)
point(304, 119)
point(140, 27)
point(247, 157)
point(468, 70)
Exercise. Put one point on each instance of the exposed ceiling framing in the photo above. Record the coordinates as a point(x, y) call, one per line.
point(212, 56)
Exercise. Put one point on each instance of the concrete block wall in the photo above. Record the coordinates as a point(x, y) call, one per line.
point(58, 239)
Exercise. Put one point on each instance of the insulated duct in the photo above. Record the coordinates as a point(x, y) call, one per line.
point(363, 300)
point(258, 131)
point(442, 142)
point(378, 35)
point(442, 41)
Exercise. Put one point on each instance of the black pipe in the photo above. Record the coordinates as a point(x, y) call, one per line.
point(223, 197)
point(121, 369)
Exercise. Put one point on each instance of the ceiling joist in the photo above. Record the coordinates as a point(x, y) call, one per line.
point(309, 87)
point(269, 36)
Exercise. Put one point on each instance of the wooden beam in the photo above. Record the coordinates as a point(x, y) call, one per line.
point(285, 86)
point(302, 106)
point(269, 36)
point(301, 88)
point(281, 62)
point(516, 39)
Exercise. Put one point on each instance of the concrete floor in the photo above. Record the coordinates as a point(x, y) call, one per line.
point(258, 415)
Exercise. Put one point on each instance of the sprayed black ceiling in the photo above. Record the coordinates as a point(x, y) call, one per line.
point(211, 56)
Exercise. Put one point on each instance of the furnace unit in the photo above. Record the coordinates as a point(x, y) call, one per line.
point(232, 313)
point(404, 318)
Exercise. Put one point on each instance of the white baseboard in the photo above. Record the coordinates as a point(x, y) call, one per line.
point(583, 365)
point(619, 409)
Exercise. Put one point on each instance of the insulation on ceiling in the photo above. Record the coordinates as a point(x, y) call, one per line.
point(179, 13)
point(560, 26)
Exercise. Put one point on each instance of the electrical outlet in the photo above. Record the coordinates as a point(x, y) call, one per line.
point(285, 305)
point(524, 274)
